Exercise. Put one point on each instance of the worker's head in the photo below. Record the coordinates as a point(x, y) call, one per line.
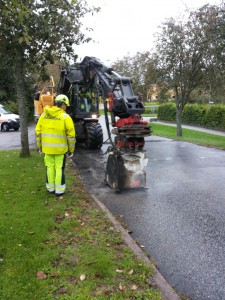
point(62, 101)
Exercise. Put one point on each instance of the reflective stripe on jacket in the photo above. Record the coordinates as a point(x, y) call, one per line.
point(55, 133)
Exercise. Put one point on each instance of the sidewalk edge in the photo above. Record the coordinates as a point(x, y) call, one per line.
point(165, 288)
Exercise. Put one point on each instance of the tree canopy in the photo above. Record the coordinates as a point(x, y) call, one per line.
point(46, 30)
point(189, 50)
point(37, 32)
point(135, 67)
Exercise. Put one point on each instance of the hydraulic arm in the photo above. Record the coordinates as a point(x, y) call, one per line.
point(126, 158)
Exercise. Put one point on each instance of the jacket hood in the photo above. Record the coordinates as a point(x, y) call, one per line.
point(53, 111)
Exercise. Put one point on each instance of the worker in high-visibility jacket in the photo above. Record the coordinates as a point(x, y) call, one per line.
point(55, 137)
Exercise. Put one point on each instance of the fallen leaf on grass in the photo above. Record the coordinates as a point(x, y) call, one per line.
point(119, 271)
point(72, 262)
point(121, 288)
point(62, 291)
point(82, 277)
point(103, 290)
point(99, 276)
point(73, 280)
point(41, 275)
point(134, 287)
point(59, 219)
point(131, 272)
point(54, 275)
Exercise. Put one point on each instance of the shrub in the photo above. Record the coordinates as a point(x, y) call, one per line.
point(167, 112)
point(194, 114)
point(212, 116)
point(151, 110)
point(215, 116)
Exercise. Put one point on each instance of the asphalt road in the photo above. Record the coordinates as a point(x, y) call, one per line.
point(179, 218)
point(12, 140)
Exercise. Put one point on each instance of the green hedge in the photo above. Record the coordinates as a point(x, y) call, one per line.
point(215, 117)
point(212, 116)
point(151, 110)
point(194, 114)
point(167, 112)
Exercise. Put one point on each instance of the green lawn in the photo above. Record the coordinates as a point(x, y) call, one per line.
point(61, 248)
point(188, 135)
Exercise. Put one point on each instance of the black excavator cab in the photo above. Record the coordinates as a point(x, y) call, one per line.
point(84, 106)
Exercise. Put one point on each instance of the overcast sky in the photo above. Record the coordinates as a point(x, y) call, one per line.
point(124, 27)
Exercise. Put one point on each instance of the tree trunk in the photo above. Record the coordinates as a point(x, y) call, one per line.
point(21, 99)
point(178, 119)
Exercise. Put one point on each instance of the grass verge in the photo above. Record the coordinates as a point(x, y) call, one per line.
point(61, 248)
point(188, 135)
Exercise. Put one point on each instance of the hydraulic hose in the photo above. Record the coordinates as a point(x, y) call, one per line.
point(107, 124)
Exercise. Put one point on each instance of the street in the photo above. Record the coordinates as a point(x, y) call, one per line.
point(11, 139)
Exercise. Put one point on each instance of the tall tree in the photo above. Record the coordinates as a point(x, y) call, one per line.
point(155, 82)
point(6, 78)
point(135, 67)
point(184, 53)
point(36, 32)
point(211, 20)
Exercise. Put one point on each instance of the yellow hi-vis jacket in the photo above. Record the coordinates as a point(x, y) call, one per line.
point(55, 133)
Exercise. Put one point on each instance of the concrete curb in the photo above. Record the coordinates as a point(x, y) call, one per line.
point(166, 290)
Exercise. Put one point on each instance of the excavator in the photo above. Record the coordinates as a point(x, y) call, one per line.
point(86, 84)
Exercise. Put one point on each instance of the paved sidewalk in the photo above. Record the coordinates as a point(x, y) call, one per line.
point(212, 131)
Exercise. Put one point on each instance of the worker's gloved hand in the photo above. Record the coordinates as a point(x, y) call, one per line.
point(70, 155)
point(40, 152)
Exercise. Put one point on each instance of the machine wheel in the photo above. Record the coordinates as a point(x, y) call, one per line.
point(5, 127)
point(112, 173)
point(94, 136)
point(16, 129)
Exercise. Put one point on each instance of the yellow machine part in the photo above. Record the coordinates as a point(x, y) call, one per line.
point(46, 99)
point(38, 109)
point(43, 101)
point(43, 98)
